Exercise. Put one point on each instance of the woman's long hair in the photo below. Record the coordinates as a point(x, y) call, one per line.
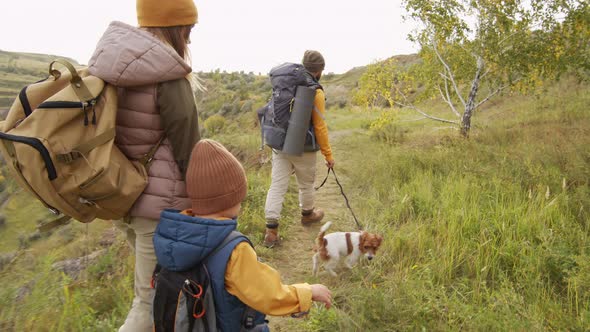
point(177, 36)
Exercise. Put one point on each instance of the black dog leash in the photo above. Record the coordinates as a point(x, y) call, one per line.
point(343, 194)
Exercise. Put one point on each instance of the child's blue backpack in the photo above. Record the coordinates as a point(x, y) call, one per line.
point(184, 301)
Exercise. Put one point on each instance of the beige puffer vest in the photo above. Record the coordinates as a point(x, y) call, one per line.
point(136, 61)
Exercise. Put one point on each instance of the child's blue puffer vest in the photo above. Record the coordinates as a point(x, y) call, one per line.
point(182, 241)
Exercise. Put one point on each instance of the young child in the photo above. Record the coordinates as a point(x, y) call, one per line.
point(216, 185)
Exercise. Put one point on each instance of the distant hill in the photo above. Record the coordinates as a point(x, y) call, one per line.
point(227, 94)
point(20, 69)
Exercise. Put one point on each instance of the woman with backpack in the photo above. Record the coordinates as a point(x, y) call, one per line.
point(156, 116)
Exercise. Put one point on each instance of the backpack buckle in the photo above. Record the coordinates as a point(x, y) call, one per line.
point(248, 318)
point(68, 158)
point(86, 201)
point(249, 322)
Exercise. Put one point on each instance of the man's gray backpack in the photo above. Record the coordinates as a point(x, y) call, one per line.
point(286, 120)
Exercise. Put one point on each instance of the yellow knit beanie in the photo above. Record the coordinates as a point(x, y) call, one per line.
point(166, 13)
point(215, 179)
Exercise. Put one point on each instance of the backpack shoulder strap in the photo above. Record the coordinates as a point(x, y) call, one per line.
point(315, 109)
point(248, 319)
point(311, 82)
point(146, 160)
point(232, 236)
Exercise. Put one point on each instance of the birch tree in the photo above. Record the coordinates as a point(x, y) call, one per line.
point(473, 50)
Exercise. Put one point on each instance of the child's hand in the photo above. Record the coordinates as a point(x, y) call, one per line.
point(321, 293)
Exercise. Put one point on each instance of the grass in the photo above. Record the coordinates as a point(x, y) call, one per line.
point(489, 233)
point(36, 297)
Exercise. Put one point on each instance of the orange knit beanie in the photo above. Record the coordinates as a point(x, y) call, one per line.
point(166, 13)
point(215, 179)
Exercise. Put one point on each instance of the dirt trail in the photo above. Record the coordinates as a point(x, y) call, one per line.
point(293, 257)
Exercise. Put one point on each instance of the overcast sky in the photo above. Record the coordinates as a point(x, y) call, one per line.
point(236, 35)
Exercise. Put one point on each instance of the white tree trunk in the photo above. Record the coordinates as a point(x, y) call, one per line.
point(471, 104)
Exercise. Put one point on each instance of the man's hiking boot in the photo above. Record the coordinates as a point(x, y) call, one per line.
point(311, 216)
point(271, 237)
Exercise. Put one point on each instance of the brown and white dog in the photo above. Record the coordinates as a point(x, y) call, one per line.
point(352, 245)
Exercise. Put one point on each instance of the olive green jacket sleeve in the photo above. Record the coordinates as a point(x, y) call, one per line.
point(179, 117)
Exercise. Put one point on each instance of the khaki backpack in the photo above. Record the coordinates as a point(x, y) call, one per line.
point(58, 141)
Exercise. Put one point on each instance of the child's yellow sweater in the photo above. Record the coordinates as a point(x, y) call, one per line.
point(259, 285)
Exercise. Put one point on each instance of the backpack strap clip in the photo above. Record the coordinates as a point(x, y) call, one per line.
point(146, 160)
point(249, 322)
point(86, 147)
point(69, 157)
point(248, 318)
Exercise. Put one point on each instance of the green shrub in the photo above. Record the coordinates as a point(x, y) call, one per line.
point(214, 124)
point(385, 128)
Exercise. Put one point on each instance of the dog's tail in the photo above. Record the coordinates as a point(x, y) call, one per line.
point(325, 227)
point(320, 239)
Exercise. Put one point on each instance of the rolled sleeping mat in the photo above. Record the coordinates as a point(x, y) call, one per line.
point(299, 121)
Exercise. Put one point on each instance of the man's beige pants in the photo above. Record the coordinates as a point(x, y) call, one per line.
point(140, 234)
point(283, 166)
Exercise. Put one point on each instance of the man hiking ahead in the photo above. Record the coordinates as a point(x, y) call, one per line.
point(303, 166)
